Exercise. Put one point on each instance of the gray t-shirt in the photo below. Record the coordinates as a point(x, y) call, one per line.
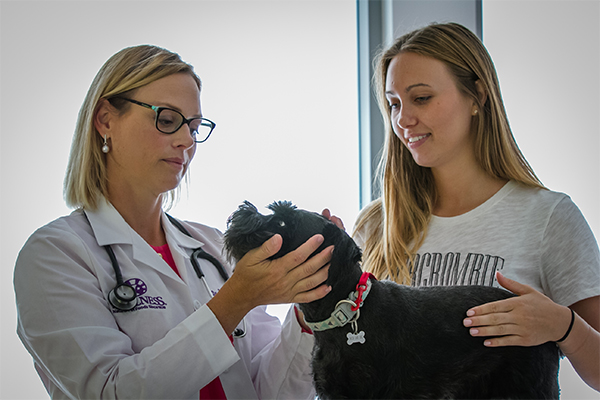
point(536, 237)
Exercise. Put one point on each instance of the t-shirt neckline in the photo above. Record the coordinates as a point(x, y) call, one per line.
point(482, 208)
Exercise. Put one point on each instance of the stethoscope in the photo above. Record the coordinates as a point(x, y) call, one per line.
point(123, 296)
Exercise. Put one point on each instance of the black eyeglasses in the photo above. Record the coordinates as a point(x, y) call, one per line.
point(169, 121)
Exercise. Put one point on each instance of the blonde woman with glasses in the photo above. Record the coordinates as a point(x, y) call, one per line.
point(460, 205)
point(118, 299)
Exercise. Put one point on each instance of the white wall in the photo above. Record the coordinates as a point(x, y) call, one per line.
point(547, 54)
point(279, 80)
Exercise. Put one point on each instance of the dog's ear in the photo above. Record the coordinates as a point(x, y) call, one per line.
point(244, 231)
point(281, 207)
point(246, 219)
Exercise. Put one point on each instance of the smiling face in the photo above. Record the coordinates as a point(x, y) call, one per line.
point(428, 113)
point(141, 158)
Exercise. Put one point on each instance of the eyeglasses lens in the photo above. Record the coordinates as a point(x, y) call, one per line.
point(201, 130)
point(169, 121)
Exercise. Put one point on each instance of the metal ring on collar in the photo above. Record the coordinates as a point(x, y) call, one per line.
point(353, 304)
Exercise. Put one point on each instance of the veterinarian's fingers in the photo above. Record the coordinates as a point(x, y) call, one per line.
point(312, 287)
point(513, 286)
point(315, 294)
point(301, 254)
point(312, 266)
point(266, 250)
point(311, 273)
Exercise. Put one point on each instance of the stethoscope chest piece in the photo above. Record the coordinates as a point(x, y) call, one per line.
point(123, 297)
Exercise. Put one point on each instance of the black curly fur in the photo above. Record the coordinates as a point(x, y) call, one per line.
point(416, 346)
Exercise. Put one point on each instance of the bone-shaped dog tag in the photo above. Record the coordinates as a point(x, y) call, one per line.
point(358, 338)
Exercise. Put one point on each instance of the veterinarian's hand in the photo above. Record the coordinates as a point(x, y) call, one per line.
point(529, 319)
point(256, 280)
point(292, 278)
point(336, 220)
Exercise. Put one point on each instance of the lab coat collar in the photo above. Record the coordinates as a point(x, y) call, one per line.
point(110, 228)
point(183, 240)
point(108, 225)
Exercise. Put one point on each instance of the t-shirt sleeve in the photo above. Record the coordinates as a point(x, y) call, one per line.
point(570, 256)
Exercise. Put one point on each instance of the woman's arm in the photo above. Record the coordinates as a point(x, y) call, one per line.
point(532, 319)
point(75, 338)
point(582, 346)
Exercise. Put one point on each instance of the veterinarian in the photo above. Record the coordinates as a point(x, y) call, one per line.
point(117, 300)
point(460, 203)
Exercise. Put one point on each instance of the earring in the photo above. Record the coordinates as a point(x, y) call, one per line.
point(475, 111)
point(105, 148)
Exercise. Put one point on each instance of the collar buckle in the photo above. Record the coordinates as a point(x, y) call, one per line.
point(348, 310)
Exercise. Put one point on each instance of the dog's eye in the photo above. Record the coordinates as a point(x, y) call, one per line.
point(281, 223)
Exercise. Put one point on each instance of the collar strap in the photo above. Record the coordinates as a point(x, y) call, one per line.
point(348, 310)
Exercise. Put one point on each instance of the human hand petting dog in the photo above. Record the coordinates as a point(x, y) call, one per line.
point(293, 278)
point(532, 318)
point(529, 319)
point(336, 220)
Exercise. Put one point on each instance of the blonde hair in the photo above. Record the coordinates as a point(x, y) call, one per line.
point(396, 223)
point(127, 70)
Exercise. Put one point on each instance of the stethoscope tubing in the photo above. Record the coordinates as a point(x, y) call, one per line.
point(127, 302)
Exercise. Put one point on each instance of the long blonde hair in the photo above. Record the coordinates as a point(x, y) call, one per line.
point(397, 222)
point(127, 70)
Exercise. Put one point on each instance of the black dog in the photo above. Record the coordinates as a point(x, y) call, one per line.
point(405, 343)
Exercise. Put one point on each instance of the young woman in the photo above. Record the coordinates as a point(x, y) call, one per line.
point(111, 298)
point(460, 203)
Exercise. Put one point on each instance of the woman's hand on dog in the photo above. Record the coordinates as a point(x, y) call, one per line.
point(336, 220)
point(529, 319)
point(532, 319)
point(293, 278)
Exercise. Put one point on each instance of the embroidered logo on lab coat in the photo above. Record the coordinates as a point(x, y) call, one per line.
point(138, 285)
point(144, 302)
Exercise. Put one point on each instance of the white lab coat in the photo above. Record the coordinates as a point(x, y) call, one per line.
point(170, 345)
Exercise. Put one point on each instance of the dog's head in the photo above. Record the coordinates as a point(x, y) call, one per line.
point(248, 229)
